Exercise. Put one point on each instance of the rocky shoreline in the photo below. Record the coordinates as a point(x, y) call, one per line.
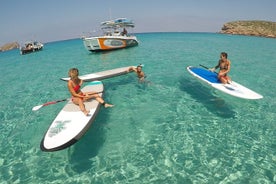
point(250, 28)
point(9, 46)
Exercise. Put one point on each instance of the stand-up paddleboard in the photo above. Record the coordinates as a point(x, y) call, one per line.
point(233, 89)
point(102, 75)
point(71, 123)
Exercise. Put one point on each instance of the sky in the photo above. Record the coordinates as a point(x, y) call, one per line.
point(53, 20)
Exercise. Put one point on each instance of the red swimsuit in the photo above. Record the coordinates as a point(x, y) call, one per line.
point(76, 89)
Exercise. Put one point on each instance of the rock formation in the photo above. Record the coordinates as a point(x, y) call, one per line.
point(252, 28)
point(9, 46)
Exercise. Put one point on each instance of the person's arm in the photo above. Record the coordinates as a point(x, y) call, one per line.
point(142, 75)
point(216, 67)
point(81, 82)
point(131, 69)
point(84, 94)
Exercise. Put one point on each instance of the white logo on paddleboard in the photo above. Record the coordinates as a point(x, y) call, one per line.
point(59, 126)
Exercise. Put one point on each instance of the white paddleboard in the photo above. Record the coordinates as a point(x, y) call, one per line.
point(103, 74)
point(71, 123)
point(234, 89)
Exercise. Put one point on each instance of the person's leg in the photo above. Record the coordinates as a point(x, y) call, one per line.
point(222, 80)
point(80, 103)
point(99, 99)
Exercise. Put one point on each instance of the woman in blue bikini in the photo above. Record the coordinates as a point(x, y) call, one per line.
point(224, 65)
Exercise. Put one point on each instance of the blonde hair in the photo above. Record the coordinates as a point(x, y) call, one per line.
point(74, 75)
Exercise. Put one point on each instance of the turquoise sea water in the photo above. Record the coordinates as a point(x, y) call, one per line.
point(174, 129)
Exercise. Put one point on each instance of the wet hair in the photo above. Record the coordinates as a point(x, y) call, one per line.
point(224, 54)
point(74, 75)
point(140, 65)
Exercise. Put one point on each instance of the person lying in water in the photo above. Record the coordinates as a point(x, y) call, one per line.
point(224, 65)
point(138, 70)
point(78, 97)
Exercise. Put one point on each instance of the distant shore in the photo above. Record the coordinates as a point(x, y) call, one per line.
point(9, 46)
point(250, 28)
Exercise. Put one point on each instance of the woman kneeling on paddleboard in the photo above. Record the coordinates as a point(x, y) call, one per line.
point(78, 97)
point(224, 65)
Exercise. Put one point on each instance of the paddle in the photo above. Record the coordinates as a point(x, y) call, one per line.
point(206, 68)
point(48, 103)
point(57, 101)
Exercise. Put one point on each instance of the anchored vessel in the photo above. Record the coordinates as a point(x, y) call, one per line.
point(115, 36)
point(31, 46)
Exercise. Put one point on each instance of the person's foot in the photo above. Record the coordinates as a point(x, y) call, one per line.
point(86, 113)
point(108, 105)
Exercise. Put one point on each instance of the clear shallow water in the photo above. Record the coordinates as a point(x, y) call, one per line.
point(173, 130)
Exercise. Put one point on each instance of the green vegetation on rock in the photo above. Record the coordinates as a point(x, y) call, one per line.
point(252, 28)
point(9, 46)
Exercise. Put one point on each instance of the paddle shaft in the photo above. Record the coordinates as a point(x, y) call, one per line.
point(54, 102)
point(57, 101)
point(206, 67)
point(48, 103)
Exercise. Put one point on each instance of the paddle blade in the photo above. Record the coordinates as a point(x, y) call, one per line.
point(48, 103)
point(37, 107)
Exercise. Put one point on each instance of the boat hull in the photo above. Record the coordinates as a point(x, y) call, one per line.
point(27, 51)
point(95, 44)
point(31, 46)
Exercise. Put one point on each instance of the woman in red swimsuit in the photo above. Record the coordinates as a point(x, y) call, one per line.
point(78, 97)
point(224, 65)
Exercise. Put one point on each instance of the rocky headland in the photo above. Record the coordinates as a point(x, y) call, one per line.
point(250, 28)
point(9, 46)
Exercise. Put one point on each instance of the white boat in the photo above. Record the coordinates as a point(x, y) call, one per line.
point(115, 36)
point(31, 46)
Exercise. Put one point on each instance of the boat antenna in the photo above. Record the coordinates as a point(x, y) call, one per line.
point(110, 14)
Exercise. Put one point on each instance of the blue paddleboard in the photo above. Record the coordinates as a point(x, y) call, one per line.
point(234, 89)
